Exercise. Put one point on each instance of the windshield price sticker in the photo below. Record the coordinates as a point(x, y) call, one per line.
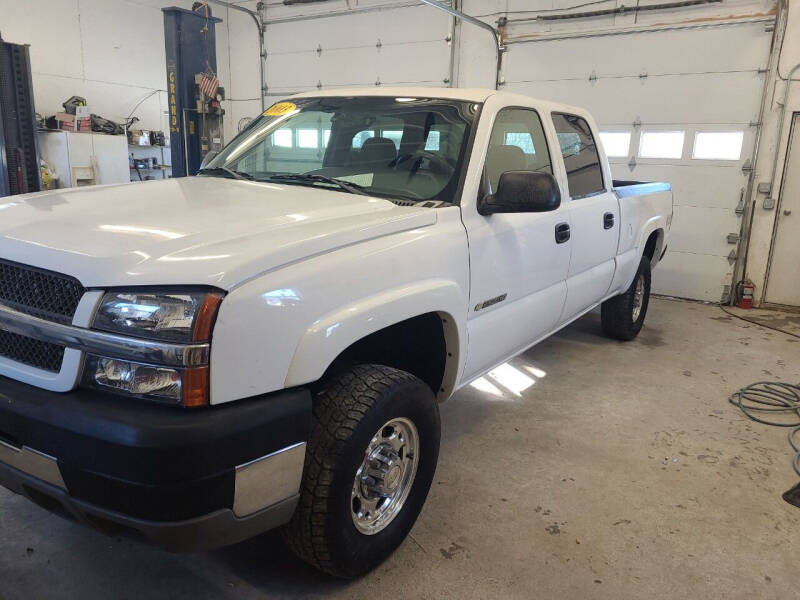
point(281, 108)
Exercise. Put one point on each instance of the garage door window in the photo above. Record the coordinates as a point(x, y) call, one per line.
point(432, 141)
point(522, 140)
point(661, 144)
point(718, 145)
point(579, 151)
point(362, 136)
point(283, 138)
point(308, 138)
point(616, 143)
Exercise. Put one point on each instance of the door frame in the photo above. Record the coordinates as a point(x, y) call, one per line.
point(794, 130)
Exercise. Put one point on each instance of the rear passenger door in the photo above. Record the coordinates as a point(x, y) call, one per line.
point(593, 214)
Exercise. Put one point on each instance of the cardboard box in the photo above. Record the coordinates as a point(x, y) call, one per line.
point(67, 122)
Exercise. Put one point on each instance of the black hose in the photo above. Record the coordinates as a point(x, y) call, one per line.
point(770, 399)
point(759, 323)
point(619, 10)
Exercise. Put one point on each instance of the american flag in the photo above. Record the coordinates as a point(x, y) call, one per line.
point(208, 85)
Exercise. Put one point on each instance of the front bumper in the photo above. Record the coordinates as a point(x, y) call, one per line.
point(186, 479)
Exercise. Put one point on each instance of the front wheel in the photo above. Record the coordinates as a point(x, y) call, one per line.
point(369, 465)
point(623, 316)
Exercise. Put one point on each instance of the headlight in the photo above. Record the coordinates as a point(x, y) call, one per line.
point(187, 387)
point(180, 317)
point(133, 378)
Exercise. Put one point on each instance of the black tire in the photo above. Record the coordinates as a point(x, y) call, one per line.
point(617, 313)
point(347, 412)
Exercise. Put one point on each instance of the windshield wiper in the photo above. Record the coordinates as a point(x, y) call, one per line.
point(347, 186)
point(229, 172)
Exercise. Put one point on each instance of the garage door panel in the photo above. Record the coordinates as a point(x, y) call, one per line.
point(510, 5)
point(360, 66)
point(397, 26)
point(697, 276)
point(666, 52)
point(718, 98)
point(243, 56)
point(706, 187)
point(703, 230)
point(706, 12)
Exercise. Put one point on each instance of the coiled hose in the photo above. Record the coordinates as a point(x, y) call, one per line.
point(766, 401)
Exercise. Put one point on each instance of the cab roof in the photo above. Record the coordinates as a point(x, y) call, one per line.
point(465, 94)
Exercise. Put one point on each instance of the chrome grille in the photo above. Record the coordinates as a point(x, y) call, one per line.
point(43, 294)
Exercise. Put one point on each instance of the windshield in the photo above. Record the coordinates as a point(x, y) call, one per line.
point(400, 148)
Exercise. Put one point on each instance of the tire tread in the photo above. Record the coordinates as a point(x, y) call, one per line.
point(615, 313)
point(337, 410)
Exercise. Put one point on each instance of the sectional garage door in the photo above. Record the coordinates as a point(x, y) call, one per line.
point(705, 80)
point(397, 46)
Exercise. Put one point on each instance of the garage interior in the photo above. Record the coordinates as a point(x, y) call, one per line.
point(584, 467)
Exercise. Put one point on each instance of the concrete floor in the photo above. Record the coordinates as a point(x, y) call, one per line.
point(622, 472)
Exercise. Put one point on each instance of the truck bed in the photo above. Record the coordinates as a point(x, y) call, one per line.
point(625, 189)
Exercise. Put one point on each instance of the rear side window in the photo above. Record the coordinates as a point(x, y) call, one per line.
point(584, 174)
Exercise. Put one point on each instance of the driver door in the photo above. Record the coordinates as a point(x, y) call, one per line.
point(518, 269)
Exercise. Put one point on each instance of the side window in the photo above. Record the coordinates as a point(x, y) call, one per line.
point(517, 143)
point(584, 174)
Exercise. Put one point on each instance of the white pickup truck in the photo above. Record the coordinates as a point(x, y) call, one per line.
point(202, 359)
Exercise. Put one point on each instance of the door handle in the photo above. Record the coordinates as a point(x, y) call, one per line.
point(608, 220)
point(562, 233)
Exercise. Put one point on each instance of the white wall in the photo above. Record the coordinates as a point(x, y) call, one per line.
point(111, 52)
point(237, 65)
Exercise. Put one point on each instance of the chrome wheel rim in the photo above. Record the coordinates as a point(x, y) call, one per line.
point(638, 298)
point(385, 477)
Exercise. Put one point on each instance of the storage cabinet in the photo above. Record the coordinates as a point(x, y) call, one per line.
point(85, 158)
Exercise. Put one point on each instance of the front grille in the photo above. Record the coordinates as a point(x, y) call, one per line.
point(41, 355)
point(38, 292)
point(43, 294)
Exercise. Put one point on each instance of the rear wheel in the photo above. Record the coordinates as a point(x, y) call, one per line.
point(368, 468)
point(623, 316)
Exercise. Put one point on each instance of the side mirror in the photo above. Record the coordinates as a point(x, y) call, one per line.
point(208, 158)
point(522, 191)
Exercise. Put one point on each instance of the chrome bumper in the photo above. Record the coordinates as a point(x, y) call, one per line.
point(32, 462)
point(104, 344)
point(257, 485)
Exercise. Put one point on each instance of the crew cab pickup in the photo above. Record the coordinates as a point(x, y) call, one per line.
point(265, 344)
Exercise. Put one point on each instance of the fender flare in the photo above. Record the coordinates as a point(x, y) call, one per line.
point(657, 223)
point(332, 333)
point(653, 224)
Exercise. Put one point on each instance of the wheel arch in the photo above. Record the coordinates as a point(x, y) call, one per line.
point(654, 246)
point(417, 328)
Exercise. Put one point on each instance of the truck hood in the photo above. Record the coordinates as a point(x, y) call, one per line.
point(193, 230)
